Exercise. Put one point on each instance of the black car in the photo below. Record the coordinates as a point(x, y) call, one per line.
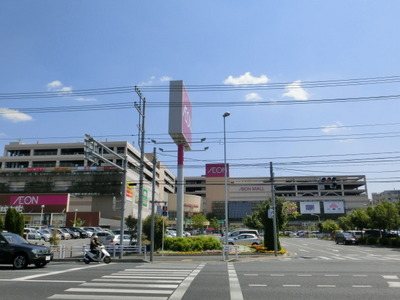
point(345, 238)
point(15, 250)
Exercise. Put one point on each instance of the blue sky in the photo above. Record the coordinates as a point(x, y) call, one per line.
point(68, 46)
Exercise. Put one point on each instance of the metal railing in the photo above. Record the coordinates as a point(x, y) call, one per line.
point(230, 249)
point(63, 251)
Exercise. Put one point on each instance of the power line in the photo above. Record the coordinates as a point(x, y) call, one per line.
point(199, 88)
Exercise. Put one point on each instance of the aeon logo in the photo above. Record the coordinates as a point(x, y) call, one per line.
point(26, 200)
point(187, 118)
point(216, 170)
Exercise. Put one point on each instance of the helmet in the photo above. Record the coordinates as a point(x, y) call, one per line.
point(95, 237)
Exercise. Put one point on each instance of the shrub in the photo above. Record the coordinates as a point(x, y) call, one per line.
point(187, 244)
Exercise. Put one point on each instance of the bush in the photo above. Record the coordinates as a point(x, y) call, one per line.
point(188, 244)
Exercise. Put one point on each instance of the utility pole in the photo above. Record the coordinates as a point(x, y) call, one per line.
point(273, 209)
point(153, 202)
point(141, 108)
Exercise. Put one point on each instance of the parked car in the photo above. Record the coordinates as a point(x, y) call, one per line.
point(236, 232)
point(103, 235)
point(17, 251)
point(81, 233)
point(74, 234)
point(45, 234)
point(244, 239)
point(345, 238)
point(116, 240)
point(32, 234)
point(63, 234)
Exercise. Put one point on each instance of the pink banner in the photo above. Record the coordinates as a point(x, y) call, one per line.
point(39, 200)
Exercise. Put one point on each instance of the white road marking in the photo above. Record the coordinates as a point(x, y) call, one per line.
point(361, 286)
point(102, 297)
point(291, 285)
point(234, 285)
point(390, 277)
point(55, 272)
point(257, 285)
point(394, 284)
point(183, 287)
point(326, 285)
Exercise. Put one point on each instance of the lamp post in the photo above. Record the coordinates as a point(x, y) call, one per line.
point(76, 210)
point(319, 219)
point(41, 215)
point(227, 114)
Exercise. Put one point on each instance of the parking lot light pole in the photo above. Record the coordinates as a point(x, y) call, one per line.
point(227, 114)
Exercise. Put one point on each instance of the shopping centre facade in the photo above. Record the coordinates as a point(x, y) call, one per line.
point(53, 184)
point(315, 197)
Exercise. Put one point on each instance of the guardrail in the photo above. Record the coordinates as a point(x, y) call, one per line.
point(63, 251)
point(230, 249)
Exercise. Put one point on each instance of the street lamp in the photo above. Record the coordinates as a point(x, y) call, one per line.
point(76, 210)
point(319, 219)
point(41, 215)
point(227, 114)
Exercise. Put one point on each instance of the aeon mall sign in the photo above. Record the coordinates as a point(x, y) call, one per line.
point(217, 170)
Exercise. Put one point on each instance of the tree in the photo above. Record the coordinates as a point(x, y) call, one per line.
point(131, 225)
point(158, 229)
point(214, 223)
point(359, 218)
point(198, 221)
point(328, 226)
point(344, 223)
point(14, 221)
point(385, 216)
point(258, 219)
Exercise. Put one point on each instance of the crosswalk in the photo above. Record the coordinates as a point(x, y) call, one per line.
point(391, 258)
point(144, 282)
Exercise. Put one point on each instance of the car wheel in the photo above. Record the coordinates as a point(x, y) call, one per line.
point(254, 244)
point(20, 261)
point(40, 264)
point(230, 243)
point(63, 237)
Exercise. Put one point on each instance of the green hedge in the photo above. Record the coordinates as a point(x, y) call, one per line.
point(187, 244)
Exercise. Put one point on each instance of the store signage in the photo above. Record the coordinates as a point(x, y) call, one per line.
point(16, 200)
point(217, 170)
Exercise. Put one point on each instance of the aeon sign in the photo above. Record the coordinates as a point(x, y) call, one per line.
point(25, 200)
point(216, 170)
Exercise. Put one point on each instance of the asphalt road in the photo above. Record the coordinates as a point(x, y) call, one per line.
point(315, 269)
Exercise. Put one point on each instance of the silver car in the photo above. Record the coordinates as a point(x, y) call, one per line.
point(245, 239)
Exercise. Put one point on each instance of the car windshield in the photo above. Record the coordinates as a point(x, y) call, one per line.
point(347, 234)
point(14, 238)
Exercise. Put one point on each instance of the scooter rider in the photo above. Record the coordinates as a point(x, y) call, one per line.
point(94, 243)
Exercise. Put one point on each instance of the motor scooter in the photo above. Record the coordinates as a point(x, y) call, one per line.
point(103, 256)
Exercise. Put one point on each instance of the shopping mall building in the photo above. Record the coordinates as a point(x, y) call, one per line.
point(315, 197)
point(54, 184)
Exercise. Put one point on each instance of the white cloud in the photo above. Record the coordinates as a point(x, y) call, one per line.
point(85, 99)
point(165, 78)
point(58, 86)
point(246, 78)
point(253, 97)
point(334, 127)
point(295, 91)
point(54, 85)
point(14, 115)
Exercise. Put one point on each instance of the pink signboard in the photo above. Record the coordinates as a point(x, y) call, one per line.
point(180, 114)
point(186, 116)
point(16, 200)
point(217, 170)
